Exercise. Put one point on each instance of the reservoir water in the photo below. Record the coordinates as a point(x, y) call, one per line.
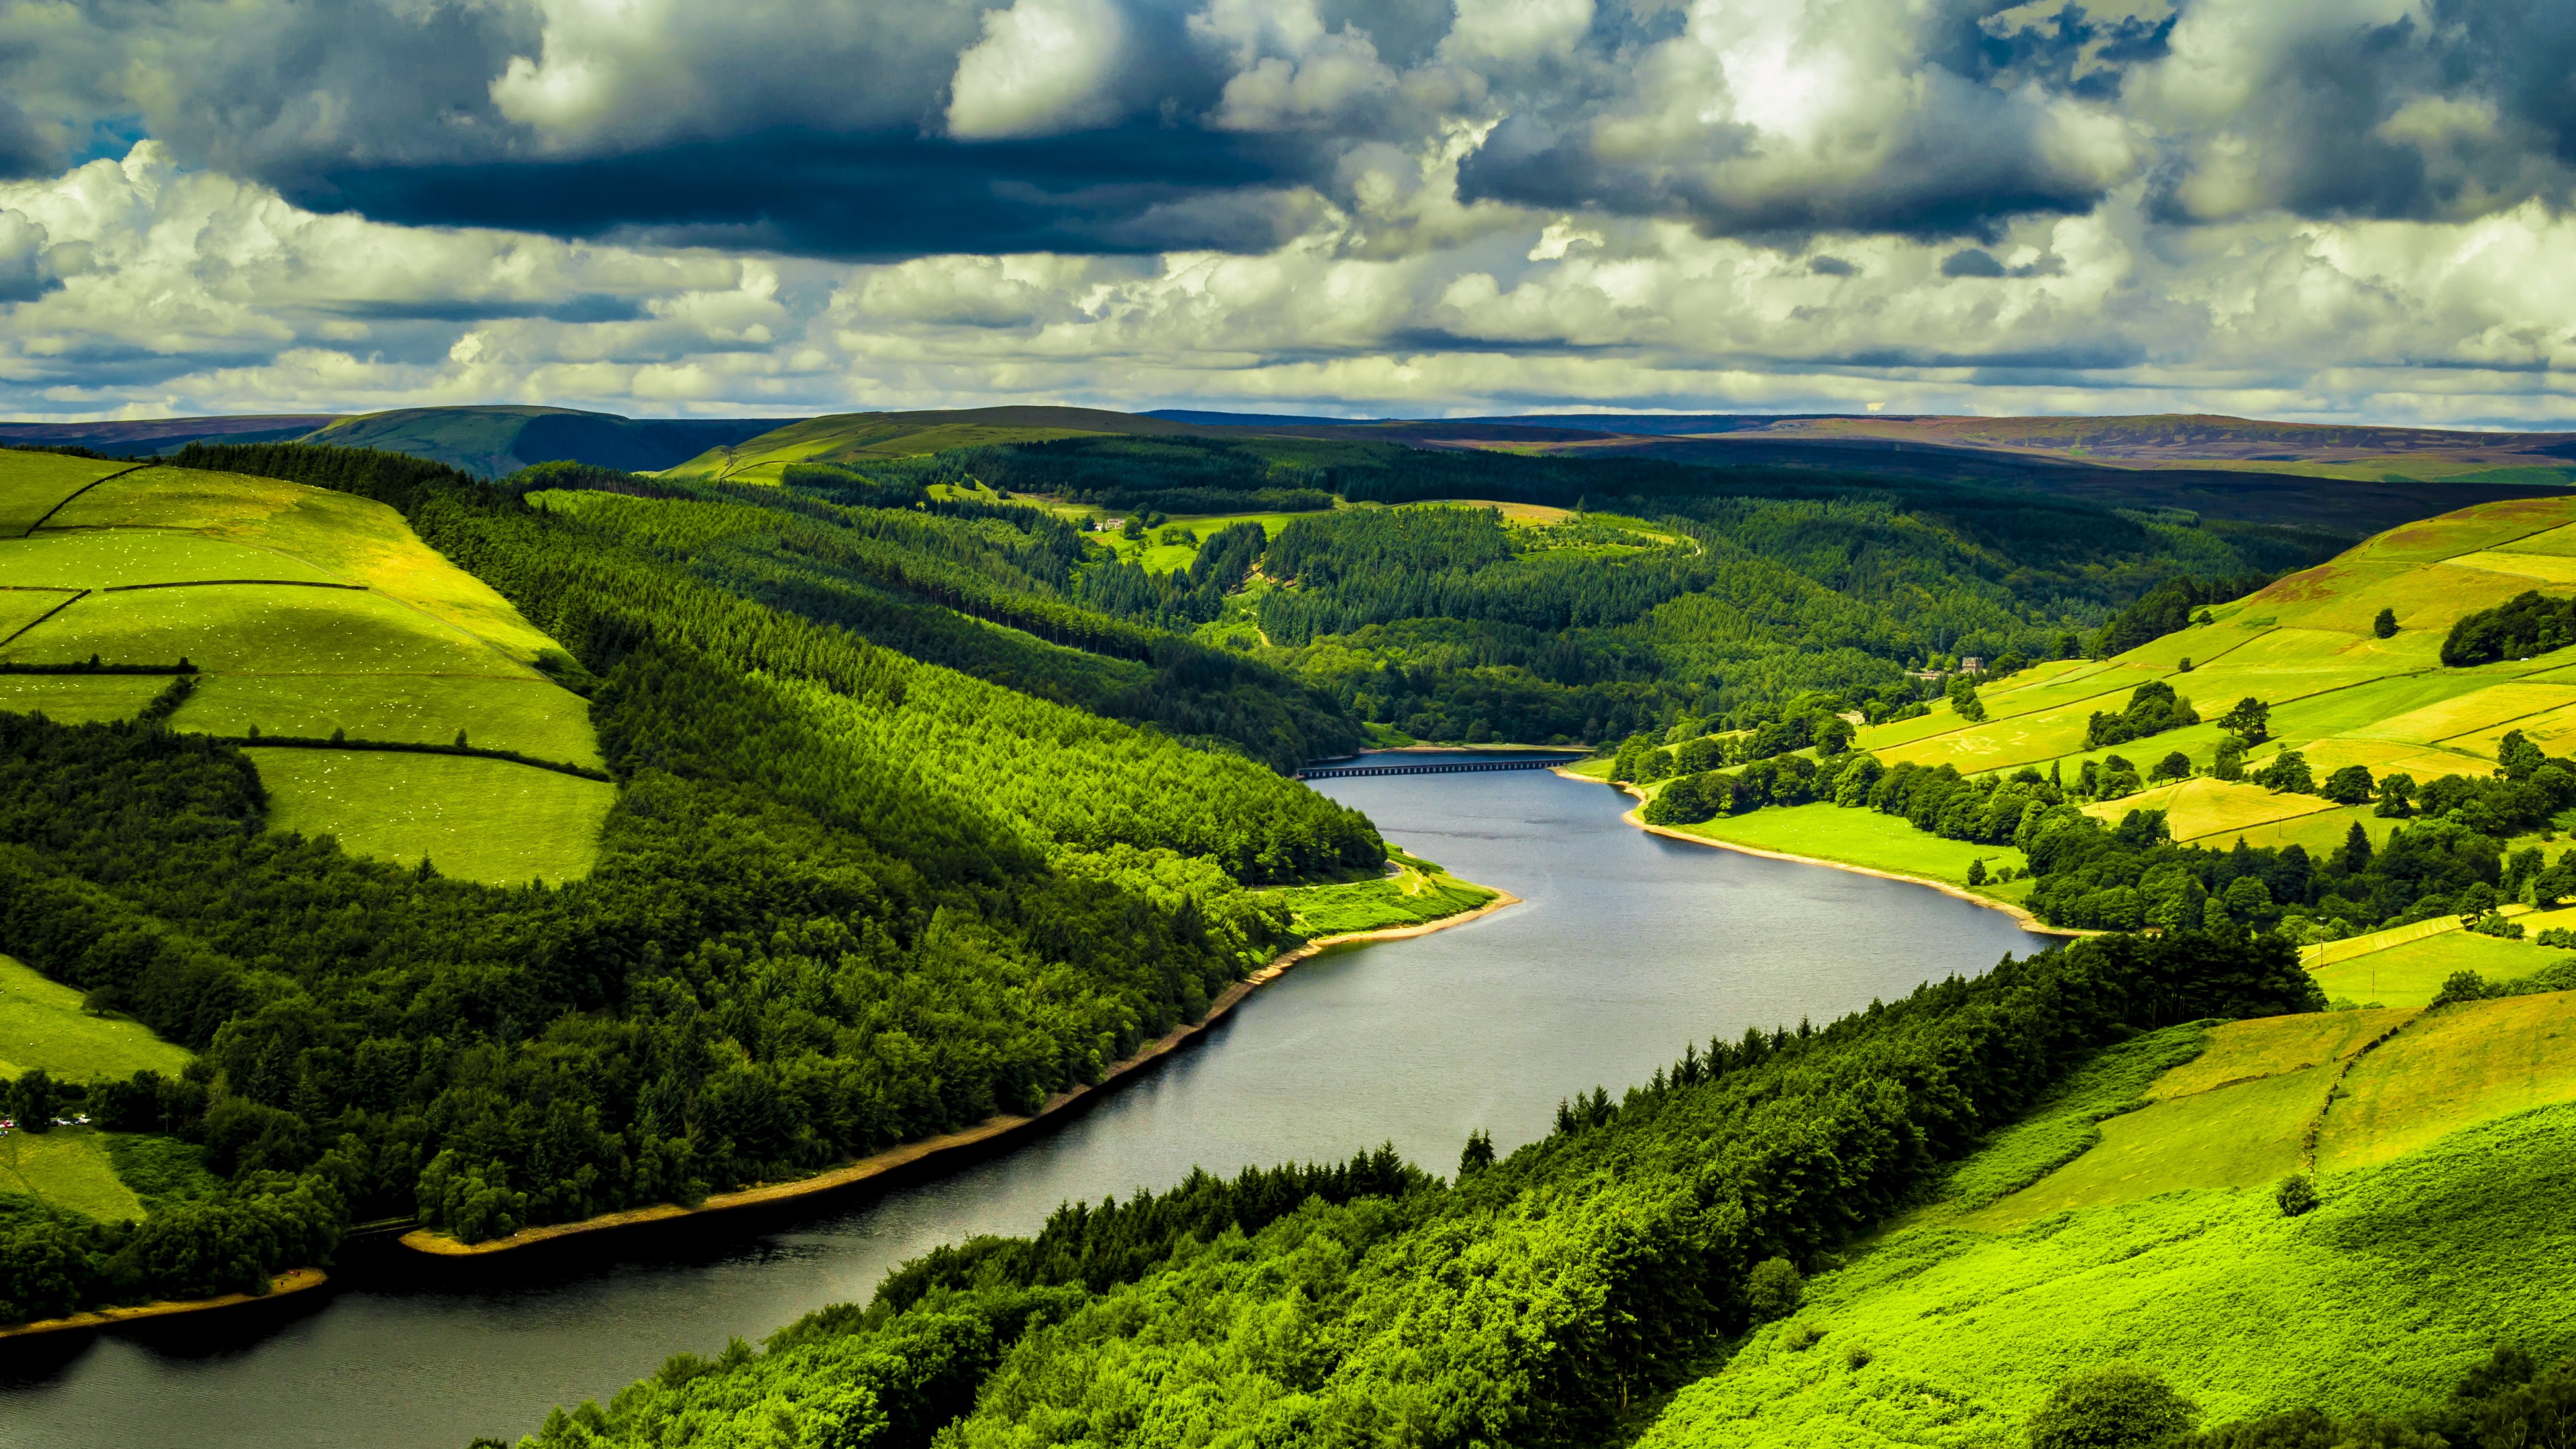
point(1625, 947)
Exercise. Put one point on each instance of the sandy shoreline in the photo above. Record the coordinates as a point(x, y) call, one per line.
point(294, 1280)
point(990, 1130)
point(2028, 921)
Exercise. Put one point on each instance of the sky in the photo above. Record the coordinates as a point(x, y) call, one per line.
point(2351, 210)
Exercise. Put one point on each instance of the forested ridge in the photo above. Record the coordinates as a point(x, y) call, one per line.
point(847, 898)
point(1679, 591)
point(1529, 1300)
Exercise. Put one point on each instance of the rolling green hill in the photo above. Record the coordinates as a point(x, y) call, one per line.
point(304, 614)
point(2340, 697)
point(500, 439)
point(2143, 1229)
point(856, 437)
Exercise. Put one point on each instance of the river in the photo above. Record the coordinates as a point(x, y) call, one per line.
point(1625, 947)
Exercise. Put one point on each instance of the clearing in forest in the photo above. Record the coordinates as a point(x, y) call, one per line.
point(43, 1026)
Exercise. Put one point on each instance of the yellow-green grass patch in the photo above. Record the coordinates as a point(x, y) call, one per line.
point(349, 537)
point(2220, 686)
point(533, 717)
point(42, 1025)
point(2560, 540)
point(2204, 806)
point(2484, 526)
point(2538, 570)
point(2247, 1135)
point(22, 607)
point(119, 557)
point(2385, 757)
point(2198, 644)
point(2411, 973)
point(2320, 833)
point(80, 698)
point(1409, 897)
point(2549, 729)
point(2405, 1279)
point(34, 484)
point(2003, 744)
point(2269, 1046)
point(68, 1170)
point(2454, 1068)
point(2479, 709)
point(475, 819)
point(263, 629)
point(1856, 837)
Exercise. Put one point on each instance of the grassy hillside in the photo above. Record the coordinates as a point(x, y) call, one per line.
point(2438, 1139)
point(859, 437)
point(42, 1026)
point(500, 439)
point(310, 615)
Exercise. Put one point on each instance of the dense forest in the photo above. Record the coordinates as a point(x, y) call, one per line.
point(846, 898)
point(1528, 1299)
point(1678, 592)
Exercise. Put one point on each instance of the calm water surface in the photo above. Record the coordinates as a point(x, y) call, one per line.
point(1626, 946)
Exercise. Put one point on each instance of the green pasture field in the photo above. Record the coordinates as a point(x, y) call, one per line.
point(2469, 530)
point(2204, 806)
point(67, 1169)
point(80, 698)
point(534, 717)
point(2549, 729)
point(2067, 1123)
point(2465, 1064)
point(264, 629)
point(2412, 973)
point(2007, 743)
point(42, 1025)
point(114, 557)
point(851, 438)
point(2560, 541)
point(347, 537)
point(22, 607)
point(2246, 1135)
point(2271, 1046)
point(1855, 837)
point(1410, 897)
point(2541, 570)
point(2407, 1276)
point(2494, 706)
point(34, 484)
point(2320, 833)
point(475, 819)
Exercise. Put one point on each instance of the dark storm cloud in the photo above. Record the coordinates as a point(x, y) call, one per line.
point(824, 127)
point(22, 151)
point(878, 196)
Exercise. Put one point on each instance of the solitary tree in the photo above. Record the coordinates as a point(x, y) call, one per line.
point(2174, 766)
point(2385, 626)
point(2250, 720)
point(2296, 1194)
point(1773, 1290)
point(2116, 1407)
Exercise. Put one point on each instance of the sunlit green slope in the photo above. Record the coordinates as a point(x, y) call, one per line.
point(303, 614)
